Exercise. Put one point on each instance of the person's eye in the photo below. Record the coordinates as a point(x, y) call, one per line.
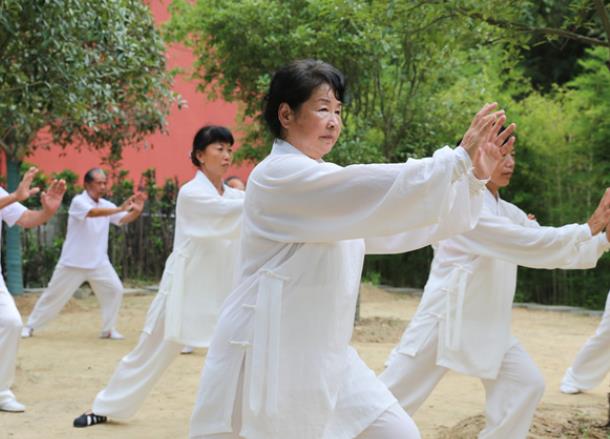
point(323, 109)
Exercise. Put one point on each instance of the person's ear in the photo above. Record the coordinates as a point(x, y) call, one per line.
point(285, 115)
point(199, 155)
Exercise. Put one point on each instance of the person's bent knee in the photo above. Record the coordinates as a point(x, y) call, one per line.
point(535, 384)
point(394, 423)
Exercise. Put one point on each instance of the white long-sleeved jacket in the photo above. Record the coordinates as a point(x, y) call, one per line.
point(199, 273)
point(288, 322)
point(472, 281)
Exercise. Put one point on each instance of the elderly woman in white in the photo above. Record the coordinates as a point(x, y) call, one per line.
point(197, 278)
point(13, 212)
point(280, 365)
point(463, 322)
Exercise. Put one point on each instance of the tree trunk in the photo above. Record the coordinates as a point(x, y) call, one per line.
point(14, 275)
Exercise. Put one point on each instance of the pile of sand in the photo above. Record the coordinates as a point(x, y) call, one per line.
point(551, 421)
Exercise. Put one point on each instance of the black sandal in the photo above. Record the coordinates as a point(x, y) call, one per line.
point(89, 419)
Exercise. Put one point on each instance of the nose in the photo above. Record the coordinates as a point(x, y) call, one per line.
point(509, 161)
point(334, 121)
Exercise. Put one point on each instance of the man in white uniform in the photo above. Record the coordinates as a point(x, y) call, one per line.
point(84, 256)
point(592, 362)
point(464, 318)
point(12, 212)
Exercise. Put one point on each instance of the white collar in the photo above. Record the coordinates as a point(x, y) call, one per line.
point(280, 146)
point(201, 178)
point(91, 198)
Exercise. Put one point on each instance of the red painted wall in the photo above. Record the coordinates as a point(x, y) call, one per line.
point(167, 153)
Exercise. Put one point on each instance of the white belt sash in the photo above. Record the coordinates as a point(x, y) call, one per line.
point(266, 344)
point(456, 292)
point(175, 299)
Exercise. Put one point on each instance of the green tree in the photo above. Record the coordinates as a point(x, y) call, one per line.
point(417, 71)
point(76, 72)
point(390, 51)
point(553, 33)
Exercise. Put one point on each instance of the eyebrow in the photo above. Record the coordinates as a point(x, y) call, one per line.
point(328, 101)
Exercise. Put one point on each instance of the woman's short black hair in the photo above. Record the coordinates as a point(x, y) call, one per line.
point(206, 136)
point(294, 84)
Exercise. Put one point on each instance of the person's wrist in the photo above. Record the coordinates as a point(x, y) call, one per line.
point(49, 210)
point(469, 150)
point(479, 174)
point(595, 226)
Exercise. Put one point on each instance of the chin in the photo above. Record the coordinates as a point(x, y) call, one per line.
point(326, 148)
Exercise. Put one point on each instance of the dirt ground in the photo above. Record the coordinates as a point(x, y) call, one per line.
point(62, 368)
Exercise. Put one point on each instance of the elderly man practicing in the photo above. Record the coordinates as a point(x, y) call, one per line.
point(463, 322)
point(84, 256)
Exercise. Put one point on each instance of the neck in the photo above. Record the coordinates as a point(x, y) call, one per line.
point(307, 151)
point(493, 188)
point(216, 179)
point(95, 198)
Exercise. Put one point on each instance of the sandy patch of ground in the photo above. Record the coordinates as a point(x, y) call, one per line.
point(62, 368)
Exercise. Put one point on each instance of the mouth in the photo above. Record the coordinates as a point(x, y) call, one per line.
point(328, 138)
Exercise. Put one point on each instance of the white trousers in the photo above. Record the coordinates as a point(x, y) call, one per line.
point(65, 281)
point(592, 362)
point(511, 398)
point(10, 334)
point(394, 423)
point(137, 372)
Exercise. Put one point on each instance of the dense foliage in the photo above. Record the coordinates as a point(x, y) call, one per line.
point(417, 72)
point(77, 72)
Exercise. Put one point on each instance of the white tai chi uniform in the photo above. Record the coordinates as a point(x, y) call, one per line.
point(197, 278)
point(84, 257)
point(10, 320)
point(593, 361)
point(463, 322)
point(280, 364)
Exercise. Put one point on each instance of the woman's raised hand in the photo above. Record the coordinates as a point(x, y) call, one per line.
point(484, 142)
point(600, 217)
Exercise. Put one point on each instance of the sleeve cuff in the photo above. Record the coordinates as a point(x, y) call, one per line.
point(584, 233)
point(475, 184)
point(602, 241)
point(463, 164)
